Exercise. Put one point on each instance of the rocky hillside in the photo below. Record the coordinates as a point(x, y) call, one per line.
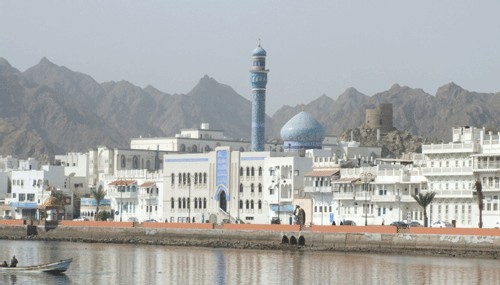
point(50, 109)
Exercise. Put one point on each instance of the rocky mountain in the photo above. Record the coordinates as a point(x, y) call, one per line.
point(50, 109)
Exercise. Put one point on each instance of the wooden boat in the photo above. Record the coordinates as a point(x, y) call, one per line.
point(53, 267)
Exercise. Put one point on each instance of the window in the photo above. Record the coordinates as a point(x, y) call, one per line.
point(184, 203)
point(259, 205)
point(252, 172)
point(196, 203)
point(247, 204)
point(252, 188)
point(241, 187)
point(123, 161)
point(22, 196)
point(241, 171)
point(135, 162)
point(260, 171)
point(260, 188)
point(196, 178)
point(172, 203)
point(172, 179)
point(248, 171)
point(204, 203)
point(204, 178)
point(241, 204)
point(251, 204)
point(179, 206)
point(31, 197)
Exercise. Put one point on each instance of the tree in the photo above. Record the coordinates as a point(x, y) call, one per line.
point(479, 188)
point(98, 195)
point(424, 200)
point(58, 200)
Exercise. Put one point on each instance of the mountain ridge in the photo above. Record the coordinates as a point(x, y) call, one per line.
point(53, 109)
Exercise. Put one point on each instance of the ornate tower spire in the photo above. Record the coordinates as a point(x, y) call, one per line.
point(258, 78)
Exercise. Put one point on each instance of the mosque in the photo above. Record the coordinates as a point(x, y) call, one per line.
point(208, 178)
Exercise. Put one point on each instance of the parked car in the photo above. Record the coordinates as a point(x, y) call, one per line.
point(275, 220)
point(399, 224)
point(133, 219)
point(442, 224)
point(348, 223)
point(151, 221)
point(81, 219)
point(415, 224)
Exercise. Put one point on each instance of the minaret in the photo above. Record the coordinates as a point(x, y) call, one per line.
point(258, 75)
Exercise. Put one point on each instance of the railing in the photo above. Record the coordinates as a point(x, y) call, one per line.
point(451, 147)
point(487, 165)
point(447, 171)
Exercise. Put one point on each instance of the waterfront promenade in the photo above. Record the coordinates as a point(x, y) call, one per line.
point(467, 242)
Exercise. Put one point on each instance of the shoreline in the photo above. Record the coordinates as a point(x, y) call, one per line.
point(485, 247)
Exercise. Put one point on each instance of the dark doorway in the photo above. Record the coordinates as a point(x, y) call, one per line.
point(223, 201)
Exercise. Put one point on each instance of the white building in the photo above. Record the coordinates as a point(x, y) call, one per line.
point(194, 140)
point(232, 186)
point(30, 188)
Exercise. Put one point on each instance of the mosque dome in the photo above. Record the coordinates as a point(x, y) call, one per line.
point(302, 132)
point(259, 51)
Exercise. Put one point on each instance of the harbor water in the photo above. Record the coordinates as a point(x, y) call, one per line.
point(96, 264)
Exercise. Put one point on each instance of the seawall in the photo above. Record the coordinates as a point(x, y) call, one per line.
point(374, 239)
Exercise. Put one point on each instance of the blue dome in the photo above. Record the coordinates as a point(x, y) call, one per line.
point(302, 132)
point(258, 51)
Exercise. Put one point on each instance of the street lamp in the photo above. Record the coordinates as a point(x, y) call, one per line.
point(120, 188)
point(189, 195)
point(366, 177)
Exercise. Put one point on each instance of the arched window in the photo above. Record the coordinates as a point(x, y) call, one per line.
point(247, 204)
point(260, 171)
point(189, 178)
point(259, 205)
point(182, 148)
point(248, 171)
point(241, 149)
point(253, 172)
point(135, 162)
point(241, 187)
point(196, 203)
point(180, 178)
point(194, 148)
point(179, 204)
point(196, 178)
point(251, 204)
point(123, 161)
point(252, 188)
point(241, 204)
point(204, 203)
point(189, 203)
point(205, 178)
point(173, 179)
point(260, 188)
point(207, 148)
point(241, 171)
point(172, 203)
point(183, 178)
point(184, 203)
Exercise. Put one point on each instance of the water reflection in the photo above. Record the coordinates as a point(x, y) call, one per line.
point(141, 264)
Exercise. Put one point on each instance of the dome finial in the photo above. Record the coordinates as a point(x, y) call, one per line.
point(258, 43)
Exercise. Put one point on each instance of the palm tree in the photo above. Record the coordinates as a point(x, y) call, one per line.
point(98, 195)
point(58, 200)
point(424, 200)
point(479, 188)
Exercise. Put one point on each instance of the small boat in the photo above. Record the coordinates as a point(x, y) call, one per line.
point(53, 267)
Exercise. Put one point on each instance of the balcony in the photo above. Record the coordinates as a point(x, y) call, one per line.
point(384, 198)
point(492, 166)
point(439, 171)
point(450, 148)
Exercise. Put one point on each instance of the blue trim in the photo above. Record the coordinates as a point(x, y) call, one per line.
point(252, 158)
point(186, 159)
point(24, 205)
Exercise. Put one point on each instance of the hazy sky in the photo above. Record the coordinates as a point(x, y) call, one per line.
point(313, 47)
